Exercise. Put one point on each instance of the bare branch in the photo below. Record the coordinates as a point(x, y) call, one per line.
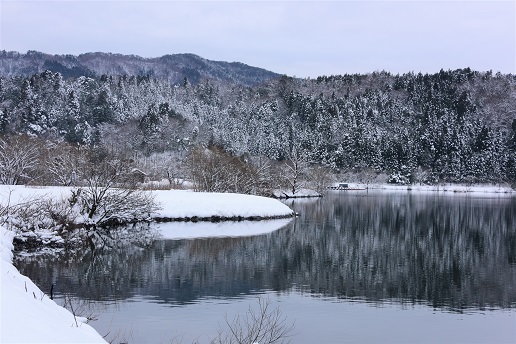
point(262, 325)
point(18, 157)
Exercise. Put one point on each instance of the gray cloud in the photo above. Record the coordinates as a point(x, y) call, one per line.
point(294, 38)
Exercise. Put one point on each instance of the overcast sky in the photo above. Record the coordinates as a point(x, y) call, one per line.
point(297, 38)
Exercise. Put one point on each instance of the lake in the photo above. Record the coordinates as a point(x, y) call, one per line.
point(381, 266)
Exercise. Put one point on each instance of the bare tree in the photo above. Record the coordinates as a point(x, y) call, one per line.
point(320, 178)
point(294, 170)
point(64, 163)
point(206, 174)
point(108, 196)
point(263, 325)
point(214, 170)
point(265, 178)
point(18, 157)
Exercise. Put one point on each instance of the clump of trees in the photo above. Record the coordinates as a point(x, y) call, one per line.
point(102, 193)
point(214, 170)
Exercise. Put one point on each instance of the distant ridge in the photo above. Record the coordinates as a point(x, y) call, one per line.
point(173, 68)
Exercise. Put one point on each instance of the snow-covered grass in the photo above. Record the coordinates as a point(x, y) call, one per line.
point(165, 184)
point(28, 315)
point(18, 194)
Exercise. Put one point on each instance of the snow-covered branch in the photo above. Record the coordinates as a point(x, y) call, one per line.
point(18, 156)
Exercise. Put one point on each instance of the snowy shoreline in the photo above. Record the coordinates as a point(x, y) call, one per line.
point(30, 316)
point(453, 188)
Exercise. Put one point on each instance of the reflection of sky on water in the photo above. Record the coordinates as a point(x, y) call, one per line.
point(317, 320)
point(190, 230)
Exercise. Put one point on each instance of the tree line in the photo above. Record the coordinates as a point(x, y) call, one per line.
point(451, 126)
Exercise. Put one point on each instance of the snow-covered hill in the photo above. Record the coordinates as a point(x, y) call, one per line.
point(174, 68)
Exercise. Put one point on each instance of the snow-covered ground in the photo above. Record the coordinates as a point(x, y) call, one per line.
point(29, 316)
point(188, 204)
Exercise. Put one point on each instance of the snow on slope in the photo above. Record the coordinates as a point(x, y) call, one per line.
point(29, 316)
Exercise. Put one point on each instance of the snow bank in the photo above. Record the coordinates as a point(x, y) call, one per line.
point(17, 194)
point(28, 315)
point(188, 204)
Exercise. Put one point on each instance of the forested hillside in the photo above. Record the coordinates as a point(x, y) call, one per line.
point(173, 68)
point(452, 126)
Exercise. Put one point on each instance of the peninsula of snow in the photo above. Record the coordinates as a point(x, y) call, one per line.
point(178, 204)
point(174, 204)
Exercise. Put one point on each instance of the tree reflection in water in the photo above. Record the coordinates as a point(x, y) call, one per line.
point(454, 252)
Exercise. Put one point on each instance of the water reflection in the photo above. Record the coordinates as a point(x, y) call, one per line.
point(191, 230)
point(448, 251)
point(454, 252)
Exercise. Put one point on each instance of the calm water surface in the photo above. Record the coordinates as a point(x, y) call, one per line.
point(353, 267)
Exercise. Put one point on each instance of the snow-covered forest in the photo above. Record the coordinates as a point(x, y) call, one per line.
point(452, 126)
